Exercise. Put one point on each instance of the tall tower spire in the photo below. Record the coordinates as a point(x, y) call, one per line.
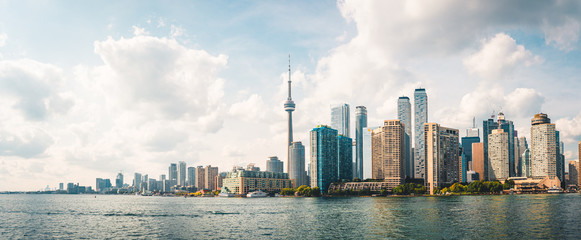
point(289, 106)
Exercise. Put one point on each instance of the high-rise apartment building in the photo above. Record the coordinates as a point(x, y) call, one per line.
point(274, 165)
point(360, 123)
point(137, 181)
point(200, 178)
point(345, 158)
point(420, 118)
point(388, 153)
point(560, 164)
point(574, 173)
point(467, 154)
point(442, 154)
point(182, 173)
point(323, 157)
point(526, 163)
point(340, 119)
point(404, 114)
point(522, 147)
point(173, 172)
point(508, 127)
point(119, 180)
point(296, 167)
point(191, 176)
point(210, 174)
point(543, 147)
point(498, 154)
point(367, 154)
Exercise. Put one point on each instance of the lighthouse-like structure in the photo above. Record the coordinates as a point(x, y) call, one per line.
point(289, 106)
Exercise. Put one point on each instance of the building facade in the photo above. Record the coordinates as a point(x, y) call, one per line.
point(344, 158)
point(360, 123)
point(420, 118)
point(442, 154)
point(508, 127)
point(296, 166)
point(574, 173)
point(388, 153)
point(324, 156)
point(498, 154)
point(404, 114)
point(119, 180)
point(274, 165)
point(173, 172)
point(210, 174)
point(340, 119)
point(543, 156)
point(200, 178)
point(182, 171)
point(191, 176)
point(243, 182)
point(467, 153)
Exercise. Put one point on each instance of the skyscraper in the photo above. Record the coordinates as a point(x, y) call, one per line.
point(340, 119)
point(508, 127)
point(478, 159)
point(289, 107)
point(543, 147)
point(200, 178)
point(173, 172)
point(420, 117)
point(404, 114)
point(191, 176)
point(498, 153)
point(574, 172)
point(560, 164)
point(467, 151)
point(181, 173)
point(442, 155)
point(367, 154)
point(360, 123)
point(522, 147)
point(526, 160)
point(210, 174)
point(344, 158)
point(274, 165)
point(119, 180)
point(296, 170)
point(323, 157)
point(388, 149)
point(137, 181)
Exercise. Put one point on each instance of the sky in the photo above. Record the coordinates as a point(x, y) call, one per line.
point(92, 88)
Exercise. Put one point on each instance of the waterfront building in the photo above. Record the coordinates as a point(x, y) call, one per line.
point(102, 184)
point(340, 119)
point(360, 124)
point(210, 174)
point(442, 154)
point(560, 164)
point(344, 158)
point(173, 172)
point(274, 165)
point(168, 184)
point(240, 181)
point(508, 127)
point(522, 146)
point(388, 153)
point(220, 180)
point(420, 118)
point(191, 176)
point(296, 164)
point(324, 156)
point(478, 159)
point(498, 155)
point(61, 186)
point(137, 181)
point(200, 178)
point(526, 160)
point(182, 173)
point(543, 147)
point(471, 137)
point(404, 114)
point(574, 173)
point(119, 180)
point(367, 155)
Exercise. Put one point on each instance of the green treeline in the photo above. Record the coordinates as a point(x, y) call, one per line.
point(477, 187)
point(303, 191)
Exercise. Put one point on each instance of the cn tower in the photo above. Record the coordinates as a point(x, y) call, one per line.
point(289, 106)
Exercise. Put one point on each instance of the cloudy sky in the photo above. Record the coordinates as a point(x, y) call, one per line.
point(88, 89)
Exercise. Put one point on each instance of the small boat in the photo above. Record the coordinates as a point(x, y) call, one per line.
point(554, 189)
point(224, 192)
point(257, 194)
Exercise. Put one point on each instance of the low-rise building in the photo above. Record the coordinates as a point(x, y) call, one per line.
point(242, 182)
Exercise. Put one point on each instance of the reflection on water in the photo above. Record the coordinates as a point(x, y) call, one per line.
point(122, 217)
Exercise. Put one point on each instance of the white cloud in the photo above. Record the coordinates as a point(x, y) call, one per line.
point(570, 128)
point(137, 31)
point(251, 109)
point(565, 36)
point(524, 102)
point(27, 144)
point(176, 31)
point(3, 38)
point(498, 57)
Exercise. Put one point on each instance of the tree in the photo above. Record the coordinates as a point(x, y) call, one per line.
point(287, 192)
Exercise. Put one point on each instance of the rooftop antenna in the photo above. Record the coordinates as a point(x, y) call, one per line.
point(289, 78)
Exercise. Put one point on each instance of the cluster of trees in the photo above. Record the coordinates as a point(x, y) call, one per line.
point(479, 187)
point(364, 192)
point(409, 188)
point(304, 191)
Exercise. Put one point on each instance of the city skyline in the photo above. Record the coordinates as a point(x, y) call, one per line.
point(203, 83)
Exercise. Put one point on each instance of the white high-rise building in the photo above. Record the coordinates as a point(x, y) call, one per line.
point(182, 171)
point(296, 166)
point(543, 147)
point(340, 119)
point(420, 117)
point(498, 154)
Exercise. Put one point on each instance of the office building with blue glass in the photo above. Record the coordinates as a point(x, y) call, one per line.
point(324, 157)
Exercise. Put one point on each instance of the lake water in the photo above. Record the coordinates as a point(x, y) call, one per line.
point(136, 217)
